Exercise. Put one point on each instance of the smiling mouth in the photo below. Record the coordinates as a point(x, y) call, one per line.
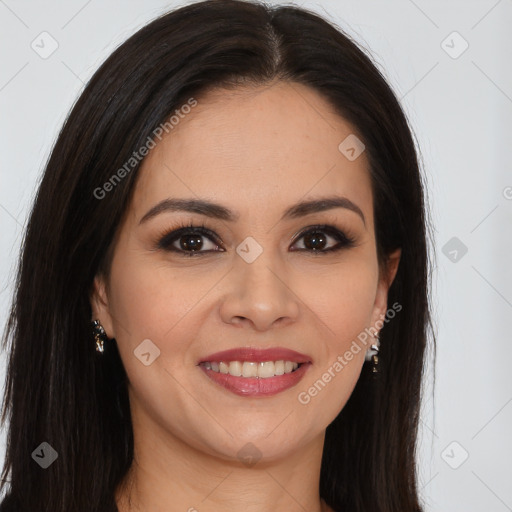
point(255, 371)
point(252, 369)
point(250, 383)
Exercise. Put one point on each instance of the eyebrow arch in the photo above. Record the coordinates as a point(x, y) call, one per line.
point(217, 211)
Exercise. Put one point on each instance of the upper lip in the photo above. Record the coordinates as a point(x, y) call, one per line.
point(257, 355)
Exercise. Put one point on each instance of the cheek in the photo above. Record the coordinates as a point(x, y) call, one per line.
point(147, 301)
point(342, 301)
point(342, 298)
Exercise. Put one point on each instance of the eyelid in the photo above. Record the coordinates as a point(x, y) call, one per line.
point(347, 240)
point(175, 233)
point(166, 239)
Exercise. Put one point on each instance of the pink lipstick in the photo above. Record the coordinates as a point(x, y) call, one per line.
point(256, 372)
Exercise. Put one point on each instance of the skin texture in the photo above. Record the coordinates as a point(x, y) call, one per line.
point(256, 151)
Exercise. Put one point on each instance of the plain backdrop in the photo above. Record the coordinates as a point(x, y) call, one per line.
point(449, 63)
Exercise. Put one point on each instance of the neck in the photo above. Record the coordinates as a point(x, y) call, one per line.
point(170, 475)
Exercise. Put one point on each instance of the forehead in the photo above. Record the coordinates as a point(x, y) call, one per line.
point(253, 148)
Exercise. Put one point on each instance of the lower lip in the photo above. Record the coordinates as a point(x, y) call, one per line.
point(252, 386)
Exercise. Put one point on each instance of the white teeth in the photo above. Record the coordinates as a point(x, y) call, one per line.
point(235, 368)
point(262, 370)
point(266, 369)
point(249, 369)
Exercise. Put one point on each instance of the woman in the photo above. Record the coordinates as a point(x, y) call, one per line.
point(235, 203)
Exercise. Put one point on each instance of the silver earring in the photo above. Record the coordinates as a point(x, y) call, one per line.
point(100, 336)
point(372, 354)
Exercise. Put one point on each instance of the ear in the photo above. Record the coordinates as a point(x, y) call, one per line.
point(100, 305)
point(386, 278)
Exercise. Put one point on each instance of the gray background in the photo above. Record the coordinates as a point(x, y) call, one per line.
point(460, 105)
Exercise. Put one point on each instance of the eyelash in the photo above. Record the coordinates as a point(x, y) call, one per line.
point(183, 229)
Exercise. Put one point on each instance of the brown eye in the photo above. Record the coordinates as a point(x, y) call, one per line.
point(317, 238)
point(189, 240)
point(198, 240)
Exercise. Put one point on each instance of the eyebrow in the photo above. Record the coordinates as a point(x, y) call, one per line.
point(217, 211)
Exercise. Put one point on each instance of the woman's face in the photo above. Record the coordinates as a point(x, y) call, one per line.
point(253, 281)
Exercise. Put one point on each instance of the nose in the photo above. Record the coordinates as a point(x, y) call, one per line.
point(259, 294)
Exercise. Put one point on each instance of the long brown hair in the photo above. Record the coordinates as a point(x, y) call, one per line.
point(57, 389)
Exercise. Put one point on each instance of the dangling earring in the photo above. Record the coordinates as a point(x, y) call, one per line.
point(372, 354)
point(100, 336)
